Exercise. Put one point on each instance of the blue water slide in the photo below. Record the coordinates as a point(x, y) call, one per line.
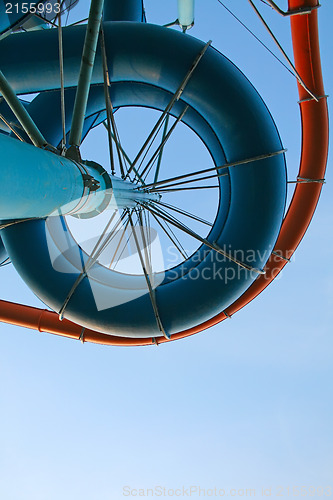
point(147, 63)
point(129, 10)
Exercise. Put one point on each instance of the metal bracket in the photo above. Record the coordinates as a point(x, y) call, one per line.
point(313, 99)
point(281, 256)
point(296, 12)
point(6, 262)
point(81, 338)
point(91, 183)
point(73, 153)
point(304, 180)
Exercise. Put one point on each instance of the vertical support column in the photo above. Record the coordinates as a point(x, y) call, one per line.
point(83, 87)
point(186, 14)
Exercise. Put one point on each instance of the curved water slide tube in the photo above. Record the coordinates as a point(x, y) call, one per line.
point(313, 162)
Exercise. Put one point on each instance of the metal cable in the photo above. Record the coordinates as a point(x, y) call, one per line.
point(293, 70)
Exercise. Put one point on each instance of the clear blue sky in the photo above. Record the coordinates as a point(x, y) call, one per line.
point(247, 404)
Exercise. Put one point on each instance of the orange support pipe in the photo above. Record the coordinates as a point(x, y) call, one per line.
point(314, 121)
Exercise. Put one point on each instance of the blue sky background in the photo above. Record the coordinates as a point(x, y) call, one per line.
point(246, 404)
